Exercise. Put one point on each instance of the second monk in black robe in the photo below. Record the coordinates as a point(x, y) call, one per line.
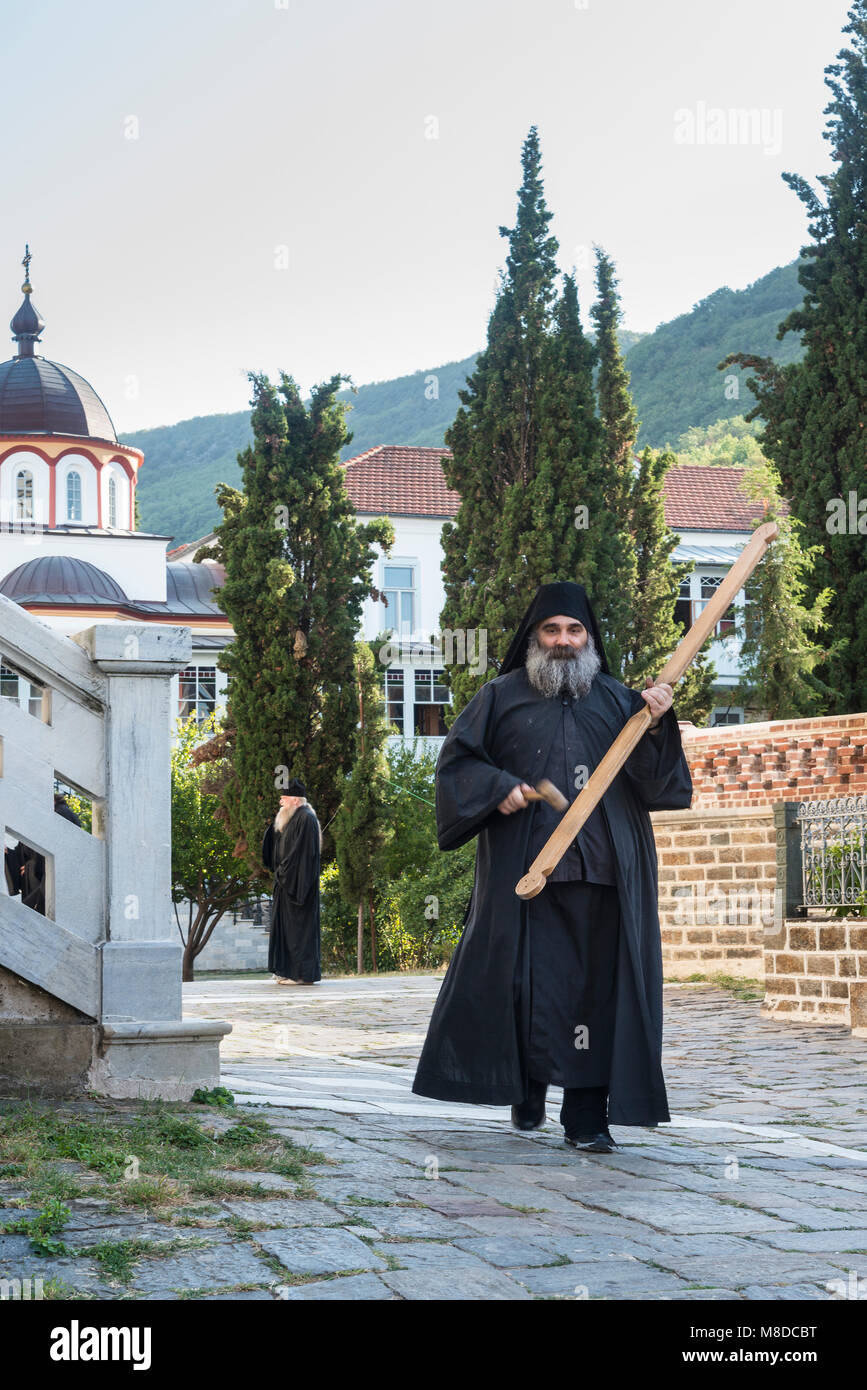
point(477, 1044)
point(292, 854)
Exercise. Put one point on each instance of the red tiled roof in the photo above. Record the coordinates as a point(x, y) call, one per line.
point(703, 497)
point(395, 481)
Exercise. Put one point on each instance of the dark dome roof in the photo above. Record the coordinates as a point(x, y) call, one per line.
point(60, 578)
point(42, 397)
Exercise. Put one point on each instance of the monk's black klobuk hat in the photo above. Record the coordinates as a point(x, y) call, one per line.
point(549, 601)
point(295, 788)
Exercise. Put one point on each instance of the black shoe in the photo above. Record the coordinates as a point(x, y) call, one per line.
point(530, 1113)
point(600, 1143)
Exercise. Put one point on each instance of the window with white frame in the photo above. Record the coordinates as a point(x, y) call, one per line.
point(73, 496)
point(24, 692)
point(431, 696)
point(24, 496)
point(394, 693)
point(112, 501)
point(708, 584)
point(197, 692)
point(399, 589)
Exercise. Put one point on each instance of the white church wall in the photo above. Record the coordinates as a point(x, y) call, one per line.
point(137, 565)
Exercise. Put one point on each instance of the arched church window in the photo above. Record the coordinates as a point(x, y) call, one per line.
point(24, 496)
point(73, 497)
point(112, 501)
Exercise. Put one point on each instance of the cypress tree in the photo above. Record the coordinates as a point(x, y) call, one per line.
point(360, 825)
point(616, 574)
point(495, 436)
point(815, 411)
point(297, 573)
point(551, 522)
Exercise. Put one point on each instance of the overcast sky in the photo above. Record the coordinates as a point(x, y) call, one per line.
point(214, 186)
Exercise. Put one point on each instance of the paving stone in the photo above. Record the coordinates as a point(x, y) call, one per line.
point(319, 1250)
point(340, 1189)
point(506, 1252)
point(794, 1293)
point(599, 1279)
point(834, 1242)
point(291, 1212)
point(354, 1288)
point(429, 1254)
point(436, 1285)
point(15, 1248)
point(215, 1267)
point(408, 1222)
point(680, 1213)
point(242, 1296)
point(458, 1205)
point(516, 1224)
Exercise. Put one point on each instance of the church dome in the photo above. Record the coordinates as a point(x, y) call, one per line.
point(38, 396)
point(42, 397)
point(61, 579)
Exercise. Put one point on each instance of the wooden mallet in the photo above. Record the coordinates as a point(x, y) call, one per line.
point(546, 791)
point(592, 792)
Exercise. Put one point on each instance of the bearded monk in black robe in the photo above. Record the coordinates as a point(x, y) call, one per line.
point(291, 850)
point(566, 987)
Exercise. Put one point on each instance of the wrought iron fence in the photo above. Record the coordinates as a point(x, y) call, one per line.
point(255, 910)
point(834, 852)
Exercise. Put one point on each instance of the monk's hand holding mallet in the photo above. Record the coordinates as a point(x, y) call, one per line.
point(658, 698)
point(515, 801)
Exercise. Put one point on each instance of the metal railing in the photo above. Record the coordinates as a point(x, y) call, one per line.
point(255, 910)
point(834, 852)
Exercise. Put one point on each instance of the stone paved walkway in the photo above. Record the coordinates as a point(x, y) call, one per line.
point(756, 1190)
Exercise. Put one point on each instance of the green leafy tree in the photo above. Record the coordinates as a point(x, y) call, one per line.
point(779, 653)
point(429, 888)
point(297, 566)
point(360, 825)
point(729, 443)
point(815, 411)
point(207, 878)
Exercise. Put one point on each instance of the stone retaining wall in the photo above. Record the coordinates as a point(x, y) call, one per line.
point(235, 946)
point(717, 875)
point(816, 971)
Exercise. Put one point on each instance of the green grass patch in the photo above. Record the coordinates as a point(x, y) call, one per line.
point(157, 1157)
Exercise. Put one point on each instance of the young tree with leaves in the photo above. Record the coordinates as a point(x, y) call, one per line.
point(297, 568)
point(207, 877)
point(360, 826)
point(779, 653)
point(815, 411)
point(653, 633)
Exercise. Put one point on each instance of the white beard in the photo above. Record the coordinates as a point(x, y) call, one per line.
point(283, 817)
point(550, 674)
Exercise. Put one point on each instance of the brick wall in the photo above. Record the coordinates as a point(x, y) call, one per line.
point(717, 874)
point(782, 760)
point(816, 971)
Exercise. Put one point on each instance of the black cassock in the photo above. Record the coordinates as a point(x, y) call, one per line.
point(480, 1044)
point(293, 857)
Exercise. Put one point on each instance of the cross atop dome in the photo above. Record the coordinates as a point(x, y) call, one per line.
point(28, 323)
